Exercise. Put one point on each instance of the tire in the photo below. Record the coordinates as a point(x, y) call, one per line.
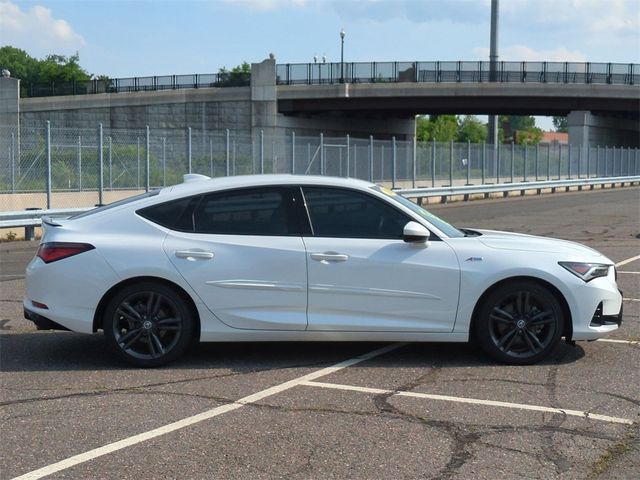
point(148, 324)
point(520, 323)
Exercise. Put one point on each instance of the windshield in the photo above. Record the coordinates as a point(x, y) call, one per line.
point(446, 228)
point(124, 201)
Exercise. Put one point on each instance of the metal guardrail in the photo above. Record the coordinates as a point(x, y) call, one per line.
point(30, 219)
point(362, 72)
point(505, 188)
point(458, 72)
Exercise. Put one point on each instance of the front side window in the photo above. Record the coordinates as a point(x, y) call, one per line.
point(256, 211)
point(336, 212)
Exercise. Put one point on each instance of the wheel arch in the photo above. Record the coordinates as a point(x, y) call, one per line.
point(102, 305)
point(568, 324)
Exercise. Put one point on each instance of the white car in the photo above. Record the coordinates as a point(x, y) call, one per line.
point(303, 258)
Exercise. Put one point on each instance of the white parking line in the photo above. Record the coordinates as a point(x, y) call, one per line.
point(631, 299)
point(628, 273)
point(475, 401)
point(628, 260)
point(185, 422)
point(613, 340)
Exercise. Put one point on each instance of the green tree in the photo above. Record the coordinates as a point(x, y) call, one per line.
point(53, 68)
point(471, 129)
point(560, 124)
point(238, 76)
point(520, 129)
point(441, 128)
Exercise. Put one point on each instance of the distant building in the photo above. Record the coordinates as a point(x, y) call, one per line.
point(555, 137)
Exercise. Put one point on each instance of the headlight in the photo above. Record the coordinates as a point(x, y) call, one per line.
point(586, 271)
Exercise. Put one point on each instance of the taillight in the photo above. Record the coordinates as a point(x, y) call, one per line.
point(54, 251)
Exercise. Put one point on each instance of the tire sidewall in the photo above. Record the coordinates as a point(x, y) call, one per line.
point(181, 305)
point(483, 324)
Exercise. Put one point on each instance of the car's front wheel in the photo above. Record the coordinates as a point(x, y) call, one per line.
point(148, 324)
point(520, 323)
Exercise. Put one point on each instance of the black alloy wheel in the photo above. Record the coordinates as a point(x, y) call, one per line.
point(148, 324)
point(520, 323)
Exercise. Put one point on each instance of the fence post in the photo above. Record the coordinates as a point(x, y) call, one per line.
point(433, 162)
point(548, 162)
point(13, 162)
point(451, 163)
point(468, 162)
point(484, 159)
point(48, 150)
point(189, 148)
point(537, 161)
point(579, 160)
point(293, 153)
point(164, 161)
point(559, 161)
point(569, 162)
point(598, 160)
point(322, 166)
point(524, 166)
point(496, 155)
point(147, 160)
point(210, 157)
point(111, 167)
point(227, 157)
point(261, 151)
point(100, 166)
point(371, 158)
point(414, 166)
point(513, 148)
point(393, 162)
point(348, 155)
point(79, 162)
point(588, 161)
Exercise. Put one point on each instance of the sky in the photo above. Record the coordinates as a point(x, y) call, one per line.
point(124, 38)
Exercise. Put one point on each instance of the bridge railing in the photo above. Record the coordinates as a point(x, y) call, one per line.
point(458, 72)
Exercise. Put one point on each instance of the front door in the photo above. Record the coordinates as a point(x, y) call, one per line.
point(364, 277)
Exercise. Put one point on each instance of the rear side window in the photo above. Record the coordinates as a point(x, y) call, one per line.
point(176, 215)
point(336, 212)
point(256, 211)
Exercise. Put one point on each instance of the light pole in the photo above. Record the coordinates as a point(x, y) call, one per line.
point(342, 55)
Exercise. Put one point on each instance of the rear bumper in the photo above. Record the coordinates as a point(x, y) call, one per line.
point(42, 323)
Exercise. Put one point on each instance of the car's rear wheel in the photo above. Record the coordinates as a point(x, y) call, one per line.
point(148, 324)
point(520, 323)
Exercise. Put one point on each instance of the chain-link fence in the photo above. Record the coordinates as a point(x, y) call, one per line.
point(53, 167)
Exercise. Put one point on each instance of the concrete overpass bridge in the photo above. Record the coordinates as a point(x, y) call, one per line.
point(602, 100)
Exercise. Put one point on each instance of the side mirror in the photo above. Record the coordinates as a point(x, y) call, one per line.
point(415, 233)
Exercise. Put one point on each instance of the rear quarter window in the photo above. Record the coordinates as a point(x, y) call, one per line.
point(175, 215)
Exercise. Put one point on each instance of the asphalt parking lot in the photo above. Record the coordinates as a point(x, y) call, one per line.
point(69, 409)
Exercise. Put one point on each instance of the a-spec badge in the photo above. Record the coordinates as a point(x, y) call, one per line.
point(474, 259)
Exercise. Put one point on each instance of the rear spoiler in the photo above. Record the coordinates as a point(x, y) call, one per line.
point(50, 222)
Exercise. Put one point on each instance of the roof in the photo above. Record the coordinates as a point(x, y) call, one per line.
point(223, 183)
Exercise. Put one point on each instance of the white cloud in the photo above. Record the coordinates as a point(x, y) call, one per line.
point(36, 30)
point(265, 5)
point(528, 54)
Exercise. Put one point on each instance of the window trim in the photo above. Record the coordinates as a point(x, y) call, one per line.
point(366, 194)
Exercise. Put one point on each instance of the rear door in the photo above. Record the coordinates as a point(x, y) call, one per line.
point(245, 258)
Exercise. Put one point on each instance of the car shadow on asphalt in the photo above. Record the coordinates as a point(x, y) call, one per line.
point(66, 351)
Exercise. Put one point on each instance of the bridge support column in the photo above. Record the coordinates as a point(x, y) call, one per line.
point(589, 130)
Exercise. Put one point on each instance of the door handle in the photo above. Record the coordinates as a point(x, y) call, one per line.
point(194, 254)
point(329, 257)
